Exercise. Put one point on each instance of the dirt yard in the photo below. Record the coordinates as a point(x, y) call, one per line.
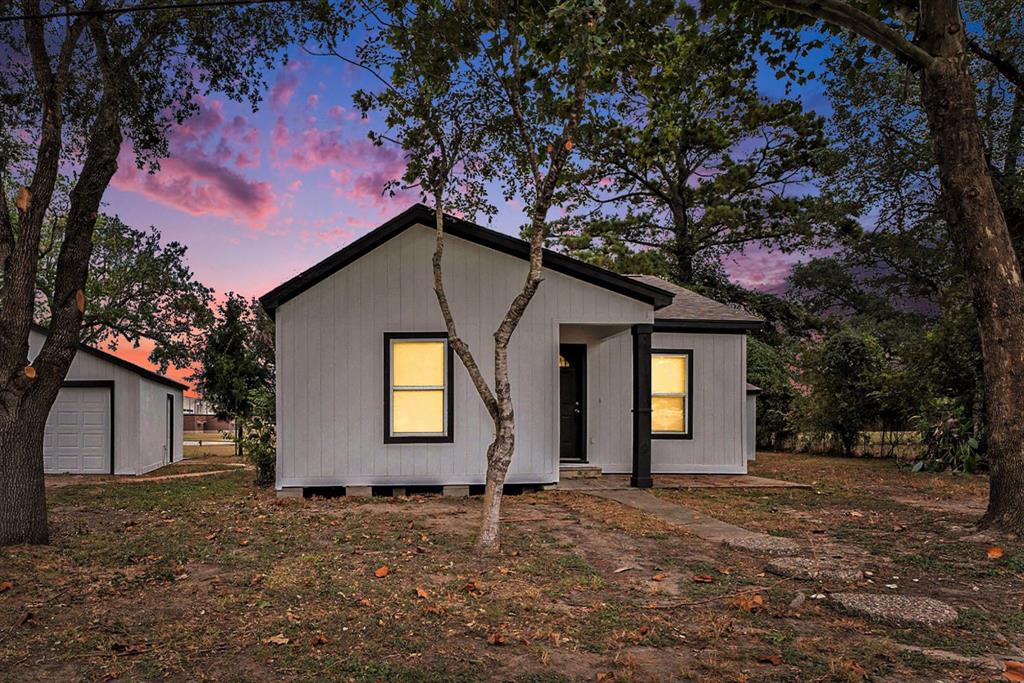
point(210, 579)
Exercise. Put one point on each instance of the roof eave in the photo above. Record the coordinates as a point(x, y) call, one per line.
point(421, 214)
point(706, 325)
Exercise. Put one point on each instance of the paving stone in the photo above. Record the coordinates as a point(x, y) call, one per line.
point(897, 610)
point(763, 543)
point(810, 569)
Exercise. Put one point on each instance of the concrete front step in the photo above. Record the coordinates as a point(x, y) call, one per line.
point(579, 472)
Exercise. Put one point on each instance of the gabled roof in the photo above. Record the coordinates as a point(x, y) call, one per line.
point(419, 214)
point(128, 365)
point(691, 309)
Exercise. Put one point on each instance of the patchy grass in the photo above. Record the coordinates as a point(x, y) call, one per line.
point(211, 579)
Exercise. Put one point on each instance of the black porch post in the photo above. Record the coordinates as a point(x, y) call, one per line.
point(641, 477)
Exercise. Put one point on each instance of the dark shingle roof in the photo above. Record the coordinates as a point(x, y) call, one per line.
point(688, 306)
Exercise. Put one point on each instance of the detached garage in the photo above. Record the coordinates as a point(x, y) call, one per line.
point(111, 416)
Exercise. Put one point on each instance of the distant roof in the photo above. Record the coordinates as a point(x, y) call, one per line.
point(689, 307)
point(751, 389)
point(128, 365)
point(419, 214)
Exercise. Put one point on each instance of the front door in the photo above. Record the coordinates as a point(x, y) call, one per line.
point(572, 372)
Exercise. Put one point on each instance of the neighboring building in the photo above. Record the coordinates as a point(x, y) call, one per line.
point(370, 394)
point(111, 416)
point(201, 417)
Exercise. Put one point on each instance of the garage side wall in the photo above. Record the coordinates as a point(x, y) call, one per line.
point(330, 364)
point(153, 436)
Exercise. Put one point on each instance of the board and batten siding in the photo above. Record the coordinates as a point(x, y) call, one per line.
point(139, 417)
point(719, 405)
point(330, 364)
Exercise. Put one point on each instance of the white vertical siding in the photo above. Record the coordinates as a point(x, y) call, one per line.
point(719, 390)
point(140, 410)
point(330, 384)
point(750, 433)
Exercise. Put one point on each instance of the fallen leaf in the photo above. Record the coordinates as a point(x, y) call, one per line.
point(422, 592)
point(244, 542)
point(774, 660)
point(660, 577)
point(381, 572)
point(995, 552)
point(604, 676)
point(496, 639)
point(279, 639)
point(6, 586)
point(320, 639)
point(365, 602)
point(749, 604)
point(855, 513)
point(1013, 671)
point(703, 578)
point(624, 569)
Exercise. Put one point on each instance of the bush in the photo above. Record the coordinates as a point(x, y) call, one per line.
point(843, 377)
point(259, 446)
point(767, 369)
point(949, 441)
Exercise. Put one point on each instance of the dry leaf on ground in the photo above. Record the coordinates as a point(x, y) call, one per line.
point(381, 572)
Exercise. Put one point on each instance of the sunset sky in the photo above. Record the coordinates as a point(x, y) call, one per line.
point(260, 196)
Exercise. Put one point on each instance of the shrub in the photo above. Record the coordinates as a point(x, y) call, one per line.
point(259, 446)
point(949, 440)
point(843, 377)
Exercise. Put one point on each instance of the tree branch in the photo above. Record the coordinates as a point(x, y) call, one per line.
point(1006, 68)
point(841, 14)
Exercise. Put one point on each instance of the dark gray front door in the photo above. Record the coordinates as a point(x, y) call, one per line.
point(572, 372)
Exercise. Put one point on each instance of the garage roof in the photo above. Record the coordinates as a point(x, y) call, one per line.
point(419, 214)
point(111, 358)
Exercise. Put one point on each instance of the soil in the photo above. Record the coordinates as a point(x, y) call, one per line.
point(212, 579)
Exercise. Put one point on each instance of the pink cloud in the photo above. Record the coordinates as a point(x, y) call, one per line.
point(200, 177)
point(198, 185)
point(285, 85)
point(312, 101)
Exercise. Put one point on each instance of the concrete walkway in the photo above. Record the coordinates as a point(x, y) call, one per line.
point(707, 528)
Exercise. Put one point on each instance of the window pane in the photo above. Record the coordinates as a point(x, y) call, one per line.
point(418, 412)
point(667, 414)
point(417, 363)
point(668, 374)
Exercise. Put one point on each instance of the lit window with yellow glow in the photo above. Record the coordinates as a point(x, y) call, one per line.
point(418, 400)
point(670, 394)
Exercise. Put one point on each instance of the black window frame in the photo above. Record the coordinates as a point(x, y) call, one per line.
point(449, 435)
point(688, 434)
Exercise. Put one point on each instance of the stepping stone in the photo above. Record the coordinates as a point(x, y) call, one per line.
point(813, 570)
point(763, 543)
point(897, 610)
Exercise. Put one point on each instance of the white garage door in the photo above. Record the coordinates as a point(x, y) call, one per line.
point(77, 437)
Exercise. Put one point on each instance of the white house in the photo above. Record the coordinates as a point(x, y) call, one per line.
point(111, 416)
point(626, 374)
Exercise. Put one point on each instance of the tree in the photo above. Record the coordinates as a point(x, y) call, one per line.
point(931, 38)
point(842, 374)
point(137, 288)
point(235, 371)
point(769, 370)
point(73, 88)
point(485, 92)
point(692, 162)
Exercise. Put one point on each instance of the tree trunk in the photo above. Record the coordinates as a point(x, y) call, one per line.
point(22, 489)
point(499, 456)
point(978, 228)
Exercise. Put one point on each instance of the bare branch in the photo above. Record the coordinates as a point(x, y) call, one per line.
point(1006, 68)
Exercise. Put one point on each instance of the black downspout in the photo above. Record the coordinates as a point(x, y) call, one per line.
point(641, 477)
